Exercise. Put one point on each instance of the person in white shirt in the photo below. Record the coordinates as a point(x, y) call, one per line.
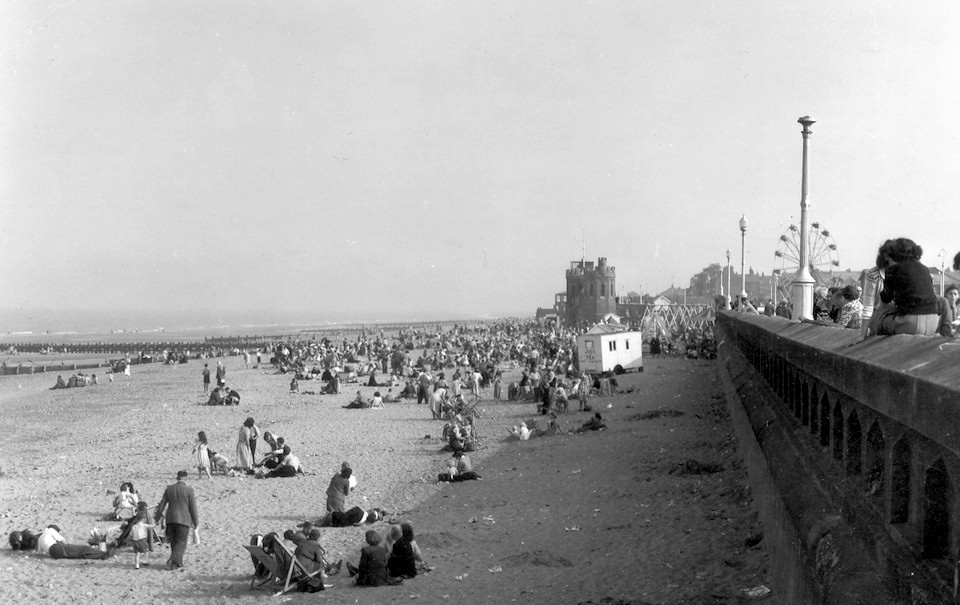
point(53, 544)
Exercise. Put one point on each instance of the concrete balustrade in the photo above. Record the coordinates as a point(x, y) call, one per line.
point(857, 444)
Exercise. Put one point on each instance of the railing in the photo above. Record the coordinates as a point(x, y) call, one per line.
point(877, 423)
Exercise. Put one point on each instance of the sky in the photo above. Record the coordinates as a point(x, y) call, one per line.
point(243, 160)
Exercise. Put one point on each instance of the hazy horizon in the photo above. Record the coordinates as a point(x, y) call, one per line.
point(417, 159)
point(88, 321)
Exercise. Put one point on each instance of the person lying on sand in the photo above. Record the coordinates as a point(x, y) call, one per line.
point(594, 424)
point(352, 517)
point(53, 544)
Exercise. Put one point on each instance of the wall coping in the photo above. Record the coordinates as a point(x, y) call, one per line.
point(914, 380)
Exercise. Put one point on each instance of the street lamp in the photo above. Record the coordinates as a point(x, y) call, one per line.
point(728, 278)
point(803, 283)
point(943, 267)
point(743, 275)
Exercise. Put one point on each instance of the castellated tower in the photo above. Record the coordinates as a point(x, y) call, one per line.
point(591, 291)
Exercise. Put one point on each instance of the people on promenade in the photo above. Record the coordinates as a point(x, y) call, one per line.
point(950, 317)
point(846, 309)
point(909, 301)
point(180, 505)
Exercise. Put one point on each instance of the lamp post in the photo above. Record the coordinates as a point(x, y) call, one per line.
point(728, 278)
point(743, 275)
point(803, 283)
point(943, 267)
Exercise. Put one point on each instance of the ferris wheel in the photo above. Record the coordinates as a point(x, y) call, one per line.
point(822, 256)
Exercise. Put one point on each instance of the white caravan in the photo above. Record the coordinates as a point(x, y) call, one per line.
point(610, 348)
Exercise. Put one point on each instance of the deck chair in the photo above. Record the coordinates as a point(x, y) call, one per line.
point(291, 569)
point(263, 558)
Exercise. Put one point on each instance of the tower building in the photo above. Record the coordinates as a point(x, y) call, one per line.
point(591, 291)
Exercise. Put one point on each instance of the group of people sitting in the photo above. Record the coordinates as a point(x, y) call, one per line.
point(384, 560)
point(525, 431)
point(77, 380)
point(279, 461)
point(360, 402)
point(221, 395)
point(460, 434)
point(459, 468)
point(135, 529)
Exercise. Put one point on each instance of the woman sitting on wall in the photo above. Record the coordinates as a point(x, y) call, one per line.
point(909, 301)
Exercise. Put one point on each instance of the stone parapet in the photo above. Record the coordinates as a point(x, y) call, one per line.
point(854, 448)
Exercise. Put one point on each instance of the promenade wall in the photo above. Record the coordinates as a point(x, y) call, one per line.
point(853, 448)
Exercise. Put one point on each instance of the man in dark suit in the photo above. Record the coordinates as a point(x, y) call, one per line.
point(181, 506)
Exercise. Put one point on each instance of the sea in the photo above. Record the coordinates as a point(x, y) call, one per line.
point(78, 325)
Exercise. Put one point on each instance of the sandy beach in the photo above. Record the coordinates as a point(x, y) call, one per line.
point(618, 516)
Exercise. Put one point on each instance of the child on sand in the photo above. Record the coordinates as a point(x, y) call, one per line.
point(498, 387)
point(140, 533)
point(202, 453)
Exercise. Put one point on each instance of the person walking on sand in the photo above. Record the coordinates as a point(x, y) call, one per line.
point(206, 378)
point(180, 504)
point(221, 374)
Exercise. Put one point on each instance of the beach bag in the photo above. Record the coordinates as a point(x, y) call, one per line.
point(314, 584)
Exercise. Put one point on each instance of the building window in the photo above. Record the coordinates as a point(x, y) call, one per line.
point(603, 290)
point(613, 345)
point(591, 291)
point(626, 344)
